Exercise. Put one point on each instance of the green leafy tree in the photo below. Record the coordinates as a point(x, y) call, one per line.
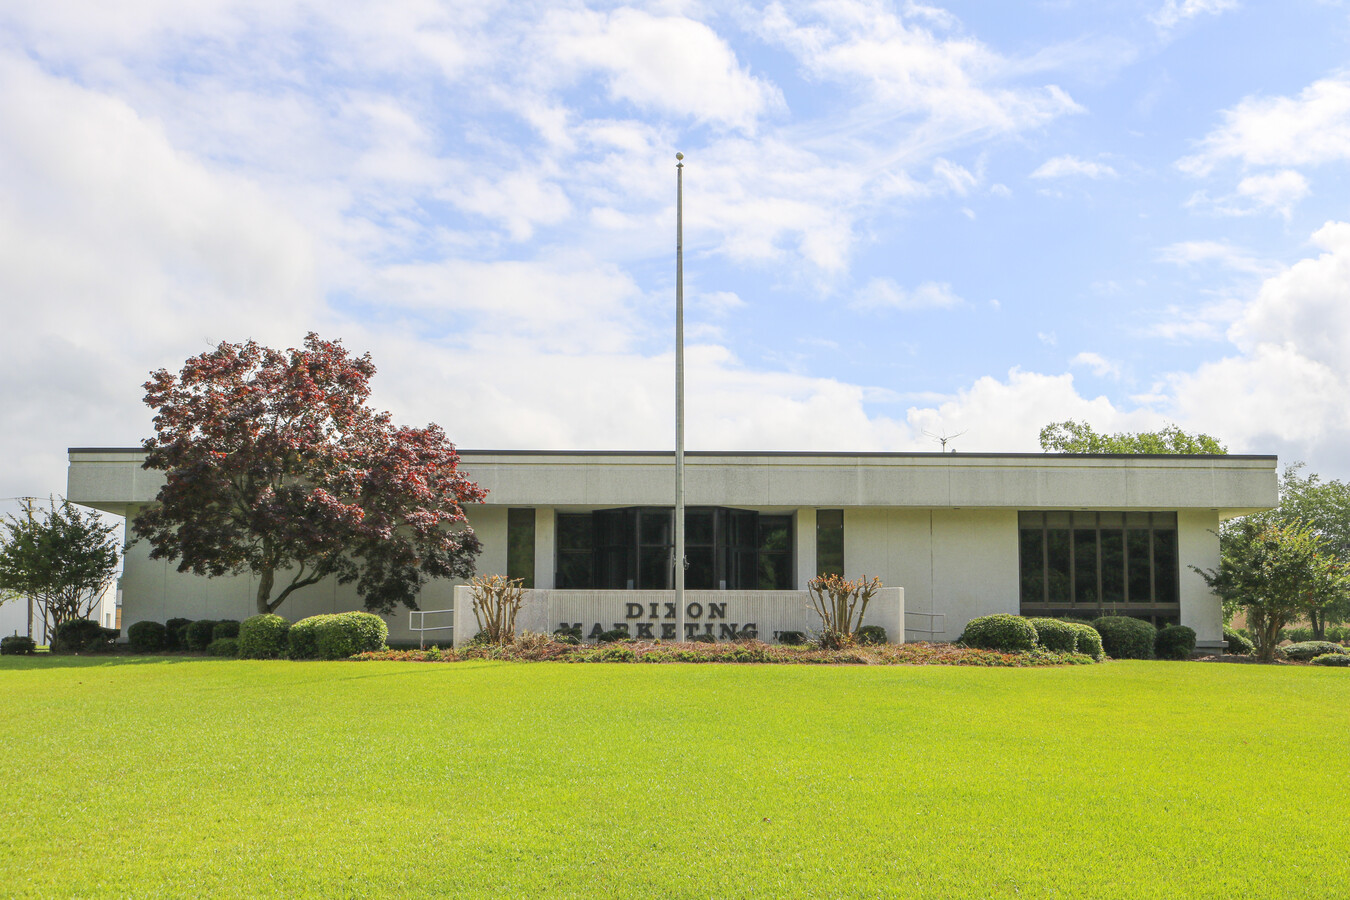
point(1276, 572)
point(63, 557)
point(1325, 507)
point(1070, 436)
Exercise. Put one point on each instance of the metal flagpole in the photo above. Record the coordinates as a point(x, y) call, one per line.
point(679, 396)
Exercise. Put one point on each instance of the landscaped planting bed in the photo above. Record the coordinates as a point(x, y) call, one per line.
point(177, 776)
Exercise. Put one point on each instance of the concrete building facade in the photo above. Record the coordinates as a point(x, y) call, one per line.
point(963, 535)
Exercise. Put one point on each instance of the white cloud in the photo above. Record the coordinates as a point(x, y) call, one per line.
point(907, 69)
point(1309, 129)
point(669, 63)
point(958, 179)
point(1190, 253)
point(1174, 12)
point(883, 293)
point(1098, 364)
point(1072, 167)
point(1277, 191)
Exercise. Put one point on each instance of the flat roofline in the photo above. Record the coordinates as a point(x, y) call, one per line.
point(868, 454)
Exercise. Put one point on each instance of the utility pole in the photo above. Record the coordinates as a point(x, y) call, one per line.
point(679, 397)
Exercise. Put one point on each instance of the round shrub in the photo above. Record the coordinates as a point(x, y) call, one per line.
point(83, 636)
point(1238, 645)
point(1331, 659)
point(1308, 649)
point(199, 634)
point(300, 639)
point(263, 637)
point(17, 645)
point(1089, 641)
point(346, 634)
point(1055, 635)
point(1124, 637)
point(999, 632)
point(173, 634)
point(223, 647)
point(609, 637)
point(1174, 642)
point(225, 628)
point(791, 638)
point(146, 637)
point(871, 634)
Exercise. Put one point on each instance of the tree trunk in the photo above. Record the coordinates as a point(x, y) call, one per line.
point(1319, 625)
point(265, 579)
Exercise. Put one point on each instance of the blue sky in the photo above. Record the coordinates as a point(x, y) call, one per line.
point(900, 218)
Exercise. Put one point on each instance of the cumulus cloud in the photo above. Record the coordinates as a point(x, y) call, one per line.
point(1099, 365)
point(1072, 167)
point(670, 63)
point(1309, 129)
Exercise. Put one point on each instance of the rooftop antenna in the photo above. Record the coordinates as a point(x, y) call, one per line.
point(943, 438)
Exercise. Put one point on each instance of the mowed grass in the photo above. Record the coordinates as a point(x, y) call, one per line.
point(183, 777)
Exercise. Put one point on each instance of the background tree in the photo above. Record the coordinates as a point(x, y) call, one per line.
point(1070, 436)
point(63, 557)
point(1276, 572)
point(1324, 506)
point(275, 465)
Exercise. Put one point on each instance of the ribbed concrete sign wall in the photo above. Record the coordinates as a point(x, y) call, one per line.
point(653, 614)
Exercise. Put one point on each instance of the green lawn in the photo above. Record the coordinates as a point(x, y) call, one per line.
point(189, 777)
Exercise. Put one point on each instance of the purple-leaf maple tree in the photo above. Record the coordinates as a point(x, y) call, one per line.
point(276, 466)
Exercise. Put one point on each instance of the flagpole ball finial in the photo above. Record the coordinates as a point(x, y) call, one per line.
point(679, 156)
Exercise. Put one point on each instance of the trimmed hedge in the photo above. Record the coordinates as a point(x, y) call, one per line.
point(17, 645)
point(263, 637)
point(146, 637)
point(198, 635)
point(223, 647)
point(225, 628)
point(336, 636)
point(614, 634)
point(1238, 645)
point(300, 639)
point(1052, 634)
point(1089, 640)
point(83, 636)
point(1126, 638)
point(1331, 659)
point(1308, 649)
point(1174, 642)
point(999, 632)
point(173, 634)
point(347, 634)
point(792, 638)
point(871, 635)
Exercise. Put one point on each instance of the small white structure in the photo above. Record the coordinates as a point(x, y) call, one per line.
point(964, 535)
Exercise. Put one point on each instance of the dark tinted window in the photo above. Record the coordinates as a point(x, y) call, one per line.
point(830, 541)
point(520, 545)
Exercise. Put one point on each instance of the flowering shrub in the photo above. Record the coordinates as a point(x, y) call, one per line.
point(739, 652)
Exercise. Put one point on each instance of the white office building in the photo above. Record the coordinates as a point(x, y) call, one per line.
point(962, 535)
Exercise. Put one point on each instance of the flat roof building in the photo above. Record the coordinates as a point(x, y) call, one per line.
point(963, 534)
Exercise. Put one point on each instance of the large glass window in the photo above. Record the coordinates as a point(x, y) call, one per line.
point(830, 541)
point(520, 545)
point(617, 549)
point(1090, 563)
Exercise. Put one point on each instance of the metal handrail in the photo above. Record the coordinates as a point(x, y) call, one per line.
point(421, 631)
point(932, 619)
